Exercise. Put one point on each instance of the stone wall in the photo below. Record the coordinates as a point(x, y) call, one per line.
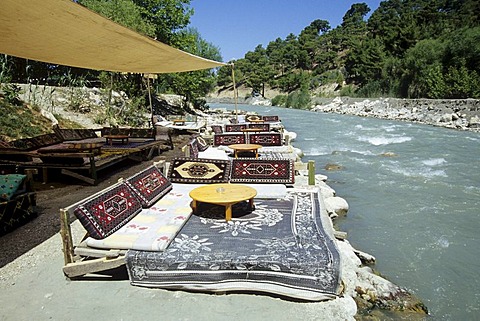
point(461, 114)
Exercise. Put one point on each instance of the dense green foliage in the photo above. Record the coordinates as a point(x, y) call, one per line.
point(406, 48)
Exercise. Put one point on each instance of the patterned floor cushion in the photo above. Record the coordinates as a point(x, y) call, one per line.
point(109, 211)
point(149, 185)
point(252, 170)
point(200, 170)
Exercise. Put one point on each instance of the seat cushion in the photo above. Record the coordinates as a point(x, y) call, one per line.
point(109, 211)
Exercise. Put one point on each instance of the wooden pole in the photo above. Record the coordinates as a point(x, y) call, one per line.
point(235, 93)
point(150, 100)
point(311, 172)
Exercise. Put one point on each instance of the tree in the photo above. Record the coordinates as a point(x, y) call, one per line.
point(259, 70)
point(168, 17)
point(365, 61)
point(124, 12)
point(423, 69)
point(194, 84)
point(309, 42)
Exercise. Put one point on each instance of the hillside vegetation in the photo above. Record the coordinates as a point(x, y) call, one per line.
point(406, 48)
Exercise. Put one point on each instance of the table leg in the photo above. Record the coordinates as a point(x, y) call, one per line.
point(228, 212)
point(194, 206)
point(256, 153)
point(250, 203)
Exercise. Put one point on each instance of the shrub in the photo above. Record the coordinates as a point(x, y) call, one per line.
point(279, 100)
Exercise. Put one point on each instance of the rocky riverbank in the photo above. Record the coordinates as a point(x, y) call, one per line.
point(463, 114)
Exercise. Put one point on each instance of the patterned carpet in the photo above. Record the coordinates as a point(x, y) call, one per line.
point(280, 248)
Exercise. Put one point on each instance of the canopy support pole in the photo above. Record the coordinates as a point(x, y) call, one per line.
point(235, 93)
point(150, 100)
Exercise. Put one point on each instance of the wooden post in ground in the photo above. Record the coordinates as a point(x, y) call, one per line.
point(311, 172)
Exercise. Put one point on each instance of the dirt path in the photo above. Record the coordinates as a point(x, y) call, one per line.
point(62, 192)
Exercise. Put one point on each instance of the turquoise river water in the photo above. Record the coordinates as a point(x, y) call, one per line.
point(417, 211)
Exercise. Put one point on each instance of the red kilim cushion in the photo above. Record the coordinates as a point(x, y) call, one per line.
point(252, 170)
point(108, 212)
point(266, 139)
point(235, 127)
point(149, 185)
point(270, 118)
point(228, 139)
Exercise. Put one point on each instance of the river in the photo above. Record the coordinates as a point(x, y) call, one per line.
point(414, 197)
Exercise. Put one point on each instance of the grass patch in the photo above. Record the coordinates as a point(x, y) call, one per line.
point(22, 121)
point(66, 123)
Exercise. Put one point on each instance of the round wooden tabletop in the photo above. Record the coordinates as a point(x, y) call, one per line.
point(223, 193)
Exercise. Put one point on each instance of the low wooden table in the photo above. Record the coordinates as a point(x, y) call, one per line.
point(252, 130)
point(83, 146)
point(223, 194)
point(245, 148)
point(256, 120)
point(179, 122)
point(111, 138)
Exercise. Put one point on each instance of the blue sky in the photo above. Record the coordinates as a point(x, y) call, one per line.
point(238, 26)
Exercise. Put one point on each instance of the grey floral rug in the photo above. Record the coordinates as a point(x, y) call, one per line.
point(279, 248)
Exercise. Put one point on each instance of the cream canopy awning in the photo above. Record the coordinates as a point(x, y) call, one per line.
point(66, 33)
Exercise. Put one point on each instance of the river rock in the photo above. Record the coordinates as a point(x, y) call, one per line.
point(336, 205)
point(333, 167)
point(325, 190)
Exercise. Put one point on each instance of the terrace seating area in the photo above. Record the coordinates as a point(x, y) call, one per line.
point(81, 153)
point(275, 243)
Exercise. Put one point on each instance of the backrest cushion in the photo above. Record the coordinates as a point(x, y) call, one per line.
point(235, 127)
point(109, 211)
point(188, 170)
point(193, 147)
point(262, 127)
point(266, 139)
point(252, 170)
point(271, 118)
point(217, 129)
point(149, 185)
point(47, 139)
point(253, 117)
point(202, 144)
point(228, 139)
